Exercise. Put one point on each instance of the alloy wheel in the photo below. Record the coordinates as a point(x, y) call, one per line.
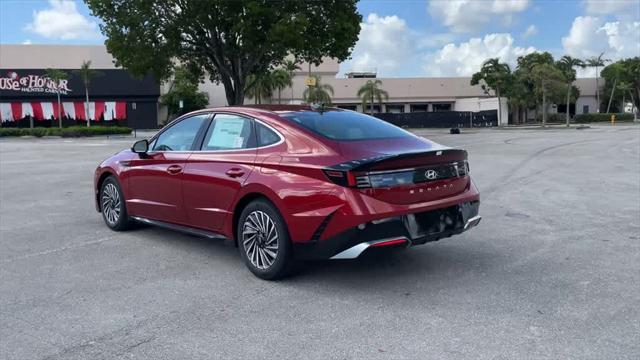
point(260, 239)
point(111, 203)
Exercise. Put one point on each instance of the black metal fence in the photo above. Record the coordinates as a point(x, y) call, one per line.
point(445, 119)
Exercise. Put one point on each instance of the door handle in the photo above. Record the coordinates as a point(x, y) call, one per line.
point(174, 169)
point(235, 172)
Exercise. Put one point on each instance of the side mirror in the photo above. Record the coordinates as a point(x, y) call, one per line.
point(140, 147)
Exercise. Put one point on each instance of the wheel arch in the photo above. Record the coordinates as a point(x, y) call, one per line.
point(105, 174)
point(244, 200)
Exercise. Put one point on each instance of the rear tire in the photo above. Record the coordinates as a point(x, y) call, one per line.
point(263, 241)
point(112, 205)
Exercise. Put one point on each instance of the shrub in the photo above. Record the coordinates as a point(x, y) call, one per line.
point(39, 132)
point(11, 132)
point(553, 118)
point(602, 117)
point(72, 131)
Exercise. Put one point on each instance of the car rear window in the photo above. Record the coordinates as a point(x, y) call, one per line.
point(343, 125)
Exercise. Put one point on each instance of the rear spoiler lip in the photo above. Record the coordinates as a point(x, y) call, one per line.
point(366, 163)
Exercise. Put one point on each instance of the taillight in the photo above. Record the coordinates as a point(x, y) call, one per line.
point(392, 178)
point(342, 178)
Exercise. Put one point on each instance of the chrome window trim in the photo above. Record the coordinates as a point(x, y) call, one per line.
point(247, 149)
point(213, 114)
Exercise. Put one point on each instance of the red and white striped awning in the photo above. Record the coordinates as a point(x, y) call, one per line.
point(109, 110)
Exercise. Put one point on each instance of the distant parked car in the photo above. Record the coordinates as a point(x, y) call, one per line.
point(289, 183)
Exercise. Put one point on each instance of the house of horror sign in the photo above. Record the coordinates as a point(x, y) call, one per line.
point(114, 95)
point(109, 83)
point(33, 83)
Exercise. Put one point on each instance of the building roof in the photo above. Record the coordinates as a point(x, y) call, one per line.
point(54, 56)
point(416, 89)
point(411, 88)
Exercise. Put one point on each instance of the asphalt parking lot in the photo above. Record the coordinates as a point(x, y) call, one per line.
point(552, 272)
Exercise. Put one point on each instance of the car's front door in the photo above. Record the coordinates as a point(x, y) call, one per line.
point(214, 175)
point(155, 179)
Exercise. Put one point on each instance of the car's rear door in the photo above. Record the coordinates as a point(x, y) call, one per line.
point(214, 174)
point(155, 179)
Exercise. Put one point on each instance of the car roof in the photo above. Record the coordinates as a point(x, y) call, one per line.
point(268, 108)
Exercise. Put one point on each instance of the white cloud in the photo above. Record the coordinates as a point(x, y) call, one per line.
point(384, 44)
point(466, 58)
point(26, 42)
point(584, 39)
point(531, 30)
point(603, 7)
point(468, 15)
point(589, 36)
point(62, 21)
point(435, 40)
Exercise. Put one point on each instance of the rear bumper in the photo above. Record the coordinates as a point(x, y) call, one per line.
point(414, 229)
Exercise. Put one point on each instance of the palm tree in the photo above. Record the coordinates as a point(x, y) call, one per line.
point(567, 65)
point(617, 69)
point(371, 91)
point(597, 61)
point(497, 77)
point(280, 79)
point(290, 66)
point(56, 76)
point(625, 88)
point(259, 87)
point(319, 93)
point(87, 73)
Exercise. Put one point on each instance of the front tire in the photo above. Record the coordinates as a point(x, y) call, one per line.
point(112, 205)
point(263, 241)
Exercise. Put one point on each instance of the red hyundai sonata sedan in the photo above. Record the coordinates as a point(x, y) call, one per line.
point(290, 182)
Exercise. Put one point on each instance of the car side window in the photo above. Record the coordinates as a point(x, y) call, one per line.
point(180, 136)
point(229, 132)
point(266, 136)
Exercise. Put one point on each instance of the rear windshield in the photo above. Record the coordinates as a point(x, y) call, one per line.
point(343, 125)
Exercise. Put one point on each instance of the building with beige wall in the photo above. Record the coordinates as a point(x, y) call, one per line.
point(417, 94)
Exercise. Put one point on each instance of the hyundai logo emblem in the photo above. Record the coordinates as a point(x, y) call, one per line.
point(431, 174)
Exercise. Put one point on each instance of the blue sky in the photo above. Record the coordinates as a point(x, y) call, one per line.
point(404, 38)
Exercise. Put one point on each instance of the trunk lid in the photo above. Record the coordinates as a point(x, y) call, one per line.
point(405, 171)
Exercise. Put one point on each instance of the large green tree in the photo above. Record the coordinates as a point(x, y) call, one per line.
point(525, 84)
point(226, 40)
point(520, 99)
point(625, 89)
point(627, 72)
point(567, 65)
point(549, 85)
point(494, 76)
point(370, 93)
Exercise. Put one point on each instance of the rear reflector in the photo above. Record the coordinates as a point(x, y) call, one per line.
point(391, 242)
